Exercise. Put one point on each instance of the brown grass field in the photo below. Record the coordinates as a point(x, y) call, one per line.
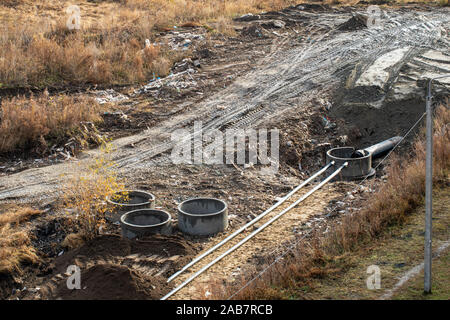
point(41, 51)
point(36, 123)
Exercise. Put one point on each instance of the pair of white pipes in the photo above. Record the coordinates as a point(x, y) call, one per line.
point(262, 215)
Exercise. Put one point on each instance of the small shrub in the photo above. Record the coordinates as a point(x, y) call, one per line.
point(84, 197)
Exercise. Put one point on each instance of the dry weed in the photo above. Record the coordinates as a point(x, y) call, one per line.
point(15, 245)
point(84, 197)
point(40, 121)
point(17, 216)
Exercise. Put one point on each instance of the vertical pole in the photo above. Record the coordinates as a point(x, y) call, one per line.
point(428, 193)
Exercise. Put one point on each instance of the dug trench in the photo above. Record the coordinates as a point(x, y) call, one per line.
point(308, 126)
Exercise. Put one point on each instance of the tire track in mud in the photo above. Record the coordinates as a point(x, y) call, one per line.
point(286, 79)
point(286, 85)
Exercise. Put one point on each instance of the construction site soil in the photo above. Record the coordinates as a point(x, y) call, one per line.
point(308, 71)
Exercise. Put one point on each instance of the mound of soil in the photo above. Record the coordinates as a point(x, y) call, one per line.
point(357, 22)
point(116, 268)
point(113, 282)
point(253, 31)
point(378, 124)
point(115, 246)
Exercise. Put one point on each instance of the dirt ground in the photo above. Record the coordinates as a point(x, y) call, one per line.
point(115, 268)
point(264, 77)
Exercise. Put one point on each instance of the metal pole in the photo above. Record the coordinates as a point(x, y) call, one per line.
point(428, 193)
point(429, 189)
point(206, 267)
point(252, 222)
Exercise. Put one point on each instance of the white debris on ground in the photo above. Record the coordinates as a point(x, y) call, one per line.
point(183, 40)
point(377, 74)
point(177, 41)
point(181, 80)
point(108, 96)
point(181, 74)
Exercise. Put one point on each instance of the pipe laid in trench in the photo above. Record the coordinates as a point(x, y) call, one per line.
point(250, 223)
point(380, 148)
point(206, 267)
point(384, 146)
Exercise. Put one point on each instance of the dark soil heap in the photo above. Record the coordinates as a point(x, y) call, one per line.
point(114, 282)
point(113, 268)
point(357, 22)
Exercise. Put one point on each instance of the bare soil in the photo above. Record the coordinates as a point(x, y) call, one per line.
point(114, 268)
point(112, 282)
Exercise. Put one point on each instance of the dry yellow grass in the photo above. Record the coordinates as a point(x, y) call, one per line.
point(17, 216)
point(38, 121)
point(57, 59)
point(108, 47)
point(74, 240)
point(15, 249)
point(15, 246)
